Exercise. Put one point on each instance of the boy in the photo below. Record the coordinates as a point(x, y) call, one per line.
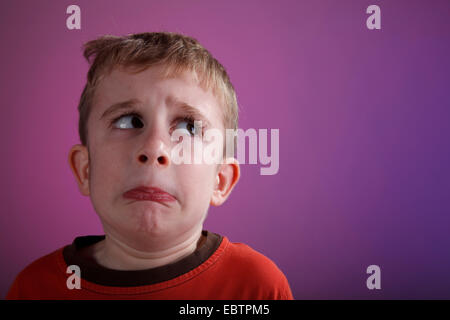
point(141, 90)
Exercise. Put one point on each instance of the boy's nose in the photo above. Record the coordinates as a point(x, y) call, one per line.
point(162, 160)
point(154, 152)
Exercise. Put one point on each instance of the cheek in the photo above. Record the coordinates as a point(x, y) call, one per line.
point(104, 172)
point(197, 182)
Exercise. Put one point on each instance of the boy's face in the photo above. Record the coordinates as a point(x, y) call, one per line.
point(135, 150)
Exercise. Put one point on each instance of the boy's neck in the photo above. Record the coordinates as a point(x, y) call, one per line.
point(114, 254)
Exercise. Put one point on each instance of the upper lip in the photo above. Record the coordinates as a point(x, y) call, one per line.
point(150, 189)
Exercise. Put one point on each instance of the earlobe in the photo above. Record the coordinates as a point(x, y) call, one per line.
point(227, 177)
point(79, 164)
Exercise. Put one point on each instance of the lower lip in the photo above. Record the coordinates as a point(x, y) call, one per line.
point(147, 196)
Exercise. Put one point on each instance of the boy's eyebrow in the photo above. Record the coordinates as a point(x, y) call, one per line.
point(190, 110)
point(185, 108)
point(118, 106)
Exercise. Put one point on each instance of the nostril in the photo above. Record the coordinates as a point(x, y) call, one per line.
point(162, 160)
point(143, 158)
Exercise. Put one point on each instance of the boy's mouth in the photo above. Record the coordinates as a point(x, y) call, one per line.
point(144, 193)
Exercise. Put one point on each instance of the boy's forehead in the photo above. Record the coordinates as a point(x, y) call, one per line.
point(126, 82)
point(122, 86)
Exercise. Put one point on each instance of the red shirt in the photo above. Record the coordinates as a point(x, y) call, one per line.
point(218, 270)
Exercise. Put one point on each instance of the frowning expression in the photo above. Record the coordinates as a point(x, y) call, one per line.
point(130, 145)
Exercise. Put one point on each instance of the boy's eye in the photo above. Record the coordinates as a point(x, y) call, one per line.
point(124, 121)
point(188, 125)
point(133, 120)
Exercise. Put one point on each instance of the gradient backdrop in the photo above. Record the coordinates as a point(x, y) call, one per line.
point(364, 125)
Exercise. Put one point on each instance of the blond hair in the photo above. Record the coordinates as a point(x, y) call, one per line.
point(176, 52)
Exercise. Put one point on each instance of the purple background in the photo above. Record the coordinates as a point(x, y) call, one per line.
point(364, 124)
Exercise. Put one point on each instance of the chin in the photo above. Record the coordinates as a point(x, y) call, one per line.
point(152, 223)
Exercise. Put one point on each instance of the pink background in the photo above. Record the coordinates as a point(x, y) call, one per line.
point(363, 118)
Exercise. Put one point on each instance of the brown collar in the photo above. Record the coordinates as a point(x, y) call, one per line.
point(94, 272)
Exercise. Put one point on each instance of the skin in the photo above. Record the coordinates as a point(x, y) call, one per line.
point(147, 234)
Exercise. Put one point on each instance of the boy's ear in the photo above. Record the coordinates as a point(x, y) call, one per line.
point(79, 163)
point(227, 176)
